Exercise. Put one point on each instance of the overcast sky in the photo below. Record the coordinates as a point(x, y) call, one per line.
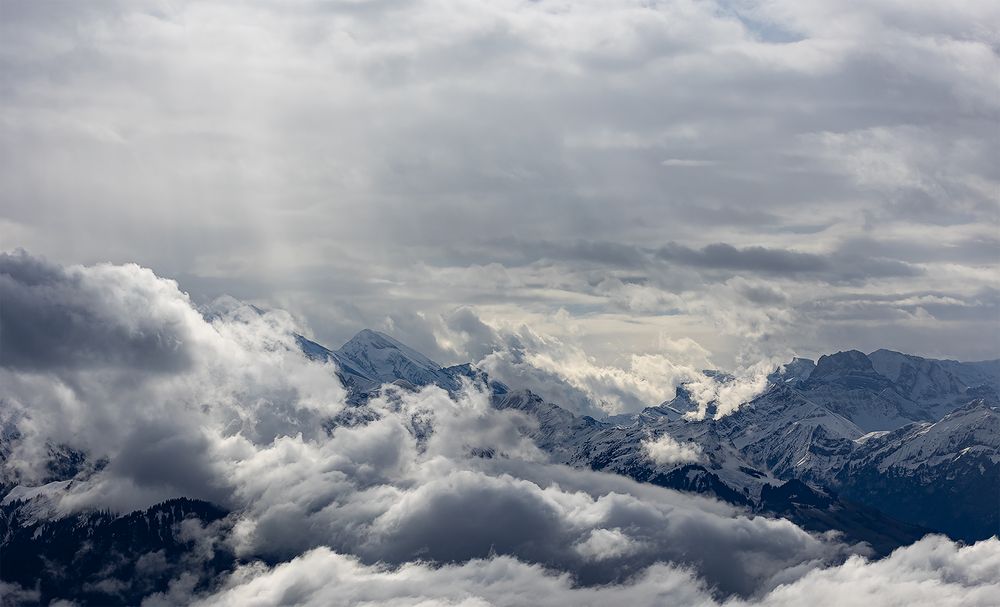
point(716, 181)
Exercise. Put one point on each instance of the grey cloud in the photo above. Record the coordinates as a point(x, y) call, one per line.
point(605, 253)
point(53, 317)
point(171, 456)
point(480, 339)
point(761, 294)
point(728, 257)
point(508, 364)
point(976, 250)
point(416, 331)
point(514, 251)
point(469, 516)
point(357, 162)
point(121, 365)
point(977, 306)
point(842, 265)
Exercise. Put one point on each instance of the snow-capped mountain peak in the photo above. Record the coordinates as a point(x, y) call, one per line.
point(386, 360)
point(372, 348)
point(852, 369)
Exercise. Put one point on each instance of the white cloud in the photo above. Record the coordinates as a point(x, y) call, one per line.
point(666, 451)
point(604, 544)
point(933, 571)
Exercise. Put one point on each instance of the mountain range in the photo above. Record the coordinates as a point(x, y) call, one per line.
point(880, 448)
point(911, 443)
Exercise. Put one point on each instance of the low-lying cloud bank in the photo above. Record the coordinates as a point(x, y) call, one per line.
point(426, 498)
point(933, 571)
point(564, 373)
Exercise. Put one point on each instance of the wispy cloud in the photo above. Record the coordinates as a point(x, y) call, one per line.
point(688, 162)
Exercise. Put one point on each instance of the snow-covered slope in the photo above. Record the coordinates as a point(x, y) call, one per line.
point(696, 456)
point(944, 475)
point(710, 464)
point(357, 381)
point(847, 384)
point(841, 425)
point(968, 432)
point(370, 359)
point(382, 358)
point(788, 434)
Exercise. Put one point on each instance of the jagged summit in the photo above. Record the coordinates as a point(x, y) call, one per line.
point(847, 362)
point(795, 371)
point(371, 358)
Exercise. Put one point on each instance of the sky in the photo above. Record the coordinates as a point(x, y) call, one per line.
point(617, 183)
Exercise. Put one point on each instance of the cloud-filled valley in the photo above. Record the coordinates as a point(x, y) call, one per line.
point(415, 487)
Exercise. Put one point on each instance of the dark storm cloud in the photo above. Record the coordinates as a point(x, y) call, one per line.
point(52, 317)
point(165, 455)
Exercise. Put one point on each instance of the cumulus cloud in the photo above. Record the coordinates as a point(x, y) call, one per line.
point(727, 394)
point(933, 571)
point(666, 451)
point(55, 317)
point(141, 378)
